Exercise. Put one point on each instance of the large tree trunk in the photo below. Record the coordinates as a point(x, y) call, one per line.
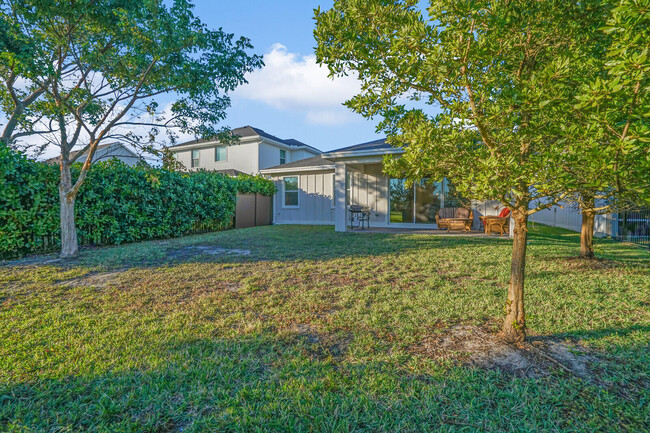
point(587, 230)
point(514, 325)
point(69, 243)
point(587, 235)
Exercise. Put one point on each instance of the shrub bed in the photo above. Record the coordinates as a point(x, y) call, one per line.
point(116, 204)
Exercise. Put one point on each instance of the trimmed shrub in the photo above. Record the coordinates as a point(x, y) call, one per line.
point(116, 203)
point(248, 184)
point(29, 204)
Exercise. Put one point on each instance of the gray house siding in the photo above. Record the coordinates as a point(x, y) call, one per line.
point(314, 200)
point(368, 189)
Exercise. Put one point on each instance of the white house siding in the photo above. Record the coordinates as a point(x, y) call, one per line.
point(270, 155)
point(242, 157)
point(314, 198)
point(370, 190)
point(297, 155)
point(316, 193)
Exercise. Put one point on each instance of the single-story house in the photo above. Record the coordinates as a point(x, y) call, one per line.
point(320, 189)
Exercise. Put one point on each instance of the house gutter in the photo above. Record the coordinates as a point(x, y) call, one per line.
point(297, 169)
point(356, 153)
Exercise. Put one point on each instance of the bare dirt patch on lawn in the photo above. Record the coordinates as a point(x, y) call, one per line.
point(322, 345)
point(476, 346)
point(189, 252)
point(98, 279)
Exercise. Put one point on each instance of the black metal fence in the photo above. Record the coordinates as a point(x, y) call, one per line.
point(634, 226)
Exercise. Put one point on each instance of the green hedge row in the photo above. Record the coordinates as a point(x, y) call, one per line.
point(116, 204)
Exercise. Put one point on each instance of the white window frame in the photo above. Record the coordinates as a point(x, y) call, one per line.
point(283, 160)
point(198, 158)
point(284, 198)
point(216, 150)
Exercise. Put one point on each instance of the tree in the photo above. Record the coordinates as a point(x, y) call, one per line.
point(96, 70)
point(497, 79)
point(612, 165)
point(17, 50)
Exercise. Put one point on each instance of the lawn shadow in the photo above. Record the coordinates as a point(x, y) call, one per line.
point(593, 334)
point(286, 382)
point(282, 243)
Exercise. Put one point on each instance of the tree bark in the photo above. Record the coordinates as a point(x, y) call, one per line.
point(514, 325)
point(5, 138)
point(69, 242)
point(587, 230)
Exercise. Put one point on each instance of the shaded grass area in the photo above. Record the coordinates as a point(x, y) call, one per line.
point(314, 331)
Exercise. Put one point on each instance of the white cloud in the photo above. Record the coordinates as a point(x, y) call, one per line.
point(292, 82)
point(328, 117)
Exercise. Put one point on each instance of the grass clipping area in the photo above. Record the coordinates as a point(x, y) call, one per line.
point(288, 328)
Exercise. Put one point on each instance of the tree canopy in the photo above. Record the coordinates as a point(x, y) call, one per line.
point(101, 64)
point(80, 72)
point(477, 91)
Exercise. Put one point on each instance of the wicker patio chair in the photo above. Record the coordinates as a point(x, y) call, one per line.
point(497, 224)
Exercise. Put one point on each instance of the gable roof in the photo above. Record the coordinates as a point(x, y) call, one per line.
point(74, 153)
point(317, 162)
point(230, 172)
point(369, 145)
point(250, 131)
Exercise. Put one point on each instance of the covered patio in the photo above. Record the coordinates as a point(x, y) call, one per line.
point(424, 231)
point(336, 187)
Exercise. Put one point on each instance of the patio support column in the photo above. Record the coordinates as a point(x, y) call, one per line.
point(340, 208)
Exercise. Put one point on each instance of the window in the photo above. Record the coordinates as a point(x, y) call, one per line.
point(401, 201)
point(283, 156)
point(291, 192)
point(195, 158)
point(220, 153)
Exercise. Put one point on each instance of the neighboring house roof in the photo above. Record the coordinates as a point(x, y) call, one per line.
point(230, 172)
point(250, 131)
point(74, 153)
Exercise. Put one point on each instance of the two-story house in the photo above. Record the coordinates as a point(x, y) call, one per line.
point(255, 151)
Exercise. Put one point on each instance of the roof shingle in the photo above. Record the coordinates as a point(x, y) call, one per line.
point(250, 131)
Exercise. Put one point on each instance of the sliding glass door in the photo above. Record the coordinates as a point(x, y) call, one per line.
point(401, 202)
point(420, 202)
point(428, 200)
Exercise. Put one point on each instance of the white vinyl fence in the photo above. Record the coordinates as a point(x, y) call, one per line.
point(569, 217)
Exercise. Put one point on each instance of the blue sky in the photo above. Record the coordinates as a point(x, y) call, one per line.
point(291, 97)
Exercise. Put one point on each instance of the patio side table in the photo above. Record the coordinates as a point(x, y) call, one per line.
point(359, 214)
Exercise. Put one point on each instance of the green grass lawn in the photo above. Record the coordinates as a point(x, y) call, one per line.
point(318, 331)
